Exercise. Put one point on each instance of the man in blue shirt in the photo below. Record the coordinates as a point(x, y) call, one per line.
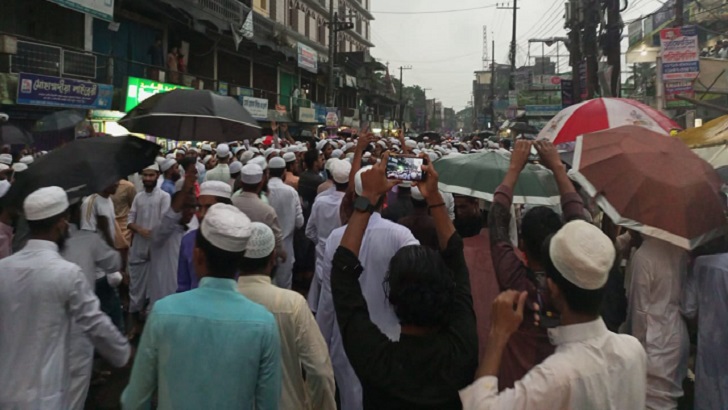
point(170, 171)
point(211, 347)
point(211, 193)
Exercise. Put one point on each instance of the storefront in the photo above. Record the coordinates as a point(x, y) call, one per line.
point(139, 89)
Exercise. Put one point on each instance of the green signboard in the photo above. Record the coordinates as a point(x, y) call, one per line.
point(139, 89)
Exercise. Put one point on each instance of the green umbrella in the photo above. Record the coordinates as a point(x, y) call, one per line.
point(479, 175)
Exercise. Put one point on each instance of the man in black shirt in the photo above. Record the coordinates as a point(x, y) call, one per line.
point(310, 180)
point(437, 351)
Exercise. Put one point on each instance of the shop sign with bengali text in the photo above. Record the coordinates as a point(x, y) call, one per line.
point(50, 91)
point(307, 58)
point(139, 89)
point(542, 110)
point(680, 53)
point(675, 88)
point(321, 113)
point(257, 107)
point(306, 115)
point(102, 9)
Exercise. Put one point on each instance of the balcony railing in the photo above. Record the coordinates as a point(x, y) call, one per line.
point(228, 10)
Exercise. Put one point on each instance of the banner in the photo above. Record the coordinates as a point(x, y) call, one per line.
point(675, 88)
point(542, 110)
point(321, 114)
point(635, 32)
point(307, 58)
point(102, 9)
point(63, 92)
point(307, 115)
point(139, 89)
point(680, 53)
point(332, 117)
point(567, 93)
point(257, 107)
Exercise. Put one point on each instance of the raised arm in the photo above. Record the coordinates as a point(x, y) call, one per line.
point(571, 203)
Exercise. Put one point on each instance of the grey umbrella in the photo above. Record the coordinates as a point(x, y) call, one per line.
point(12, 134)
point(192, 115)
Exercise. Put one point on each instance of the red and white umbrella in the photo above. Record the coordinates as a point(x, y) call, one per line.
point(602, 114)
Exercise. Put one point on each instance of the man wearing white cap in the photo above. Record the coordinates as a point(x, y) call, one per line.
point(384, 238)
point(302, 346)
point(250, 204)
point(287, 204)
point(41, 296)
point(235, 168)
point(592, 368)
point(146, 213)
point(221, 172)
point(291, 170)
point(211, 347)
point(323, 220)
point(211, 193)
point(6, 159)
point(166, 239)
point(170, 172)
point(7, 215)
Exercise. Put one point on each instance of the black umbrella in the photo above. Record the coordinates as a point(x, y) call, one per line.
point(59, 120)
point(192, 115)
point(84, 167)
point(523, 128)
point(12, 134)
point(430, 135)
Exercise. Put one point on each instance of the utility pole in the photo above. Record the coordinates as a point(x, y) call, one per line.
point(574, 22)
point(613, 46)
point(679, 13)
point(334, 27)
point(591, 50)
point(492, 86)
point(512, 55)
point(401, 101)
point(424, 92)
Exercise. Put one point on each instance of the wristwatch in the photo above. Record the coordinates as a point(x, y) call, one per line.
point(363, 205)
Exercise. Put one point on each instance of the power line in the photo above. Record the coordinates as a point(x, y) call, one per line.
point(435, 12)
point(548, 12)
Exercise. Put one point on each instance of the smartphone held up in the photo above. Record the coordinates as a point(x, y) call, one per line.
point(405, 168)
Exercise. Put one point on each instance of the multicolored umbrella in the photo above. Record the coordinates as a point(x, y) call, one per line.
point(602, 114)
point(656, 186)
point(479, 175)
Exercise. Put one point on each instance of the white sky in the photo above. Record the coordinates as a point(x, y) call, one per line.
point(445, 48)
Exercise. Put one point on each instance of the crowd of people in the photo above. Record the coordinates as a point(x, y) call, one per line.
point(296, 275)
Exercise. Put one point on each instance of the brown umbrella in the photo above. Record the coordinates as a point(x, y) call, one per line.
point(656, 186)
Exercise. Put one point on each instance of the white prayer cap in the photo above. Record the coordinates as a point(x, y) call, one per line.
point(223, 151)
point(321, 144)
point(159, 160)
point(582, 254)
point(154, 167)
point(341, 170)
point(337, 153)
point(169, 156)
point(276, 163)
point(247, 156)
point(167, 164)
point(216, 188)
point(251, 174)
point(6, 159)
point(382, 144)
point(3, 167)
point(289, 157)
point(366, 155)
point(4, 187)
point(19, 167)
point(348, 146)
point(238, 149)
point(27, 160)
point(410, 143)
point(416, 194)
point(260, 161)
point(261, 243)
point(270, 151)
point(254, 150)
point(226, 228)
point(358, 188)
point(180, 152)
point(235, 167)
point(45, 203)
point(329, 163)
point(206, 147)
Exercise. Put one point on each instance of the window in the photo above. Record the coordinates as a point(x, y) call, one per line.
point(292, 16)
point(263, 4)
point(308, 27)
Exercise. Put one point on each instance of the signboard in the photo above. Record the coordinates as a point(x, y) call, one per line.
point(542, 110)
point(320, 114)
point(332, 117)
point(680, 53)
point(257, 107)
point(307, 58)
point(675, 88)
point(102, 9)
point(222, 88)
point(139, 89)
point(512, 98)
point(63, 92)
point(665, 15)
point(567, 93)
point(307, 115)
point(635, 32)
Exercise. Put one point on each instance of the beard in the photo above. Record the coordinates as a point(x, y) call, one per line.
point(61, 241)
point(467, 226)
point(176, 177)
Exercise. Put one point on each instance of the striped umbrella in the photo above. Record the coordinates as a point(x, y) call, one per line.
point(602, 114)
point(479, 175)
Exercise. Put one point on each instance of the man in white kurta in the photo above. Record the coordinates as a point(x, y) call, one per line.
point(287, 204)
point(146, 213)
point(41, 296)
point(166, 241)
point(657, 271)
point(381, 241)
point(303, 349)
